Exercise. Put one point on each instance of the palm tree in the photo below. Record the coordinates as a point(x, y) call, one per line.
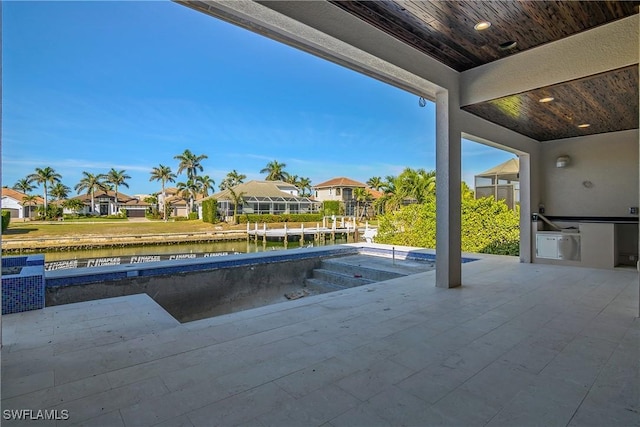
point(388, 201)
point(232, 179)
point(205, 183)
point(60, 191)
point(304, 184)
point(375, 182)
point(28, 201)
point(75, 205)
point(292, 179)
point(411, 185)
point(23, 185)
point(275, 171)
point(389, 184)
point(238, 199)
point(117, 178)
point(163, 174)
point(44, 176)
point(153, 201)
point(91, 183)
point(415, 184)
point(362, 196)
point(189, 190)
point(190, 162)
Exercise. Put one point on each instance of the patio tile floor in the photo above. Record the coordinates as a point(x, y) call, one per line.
point(518, 344)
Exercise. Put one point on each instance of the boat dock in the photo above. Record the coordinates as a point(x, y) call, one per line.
point(317, 233)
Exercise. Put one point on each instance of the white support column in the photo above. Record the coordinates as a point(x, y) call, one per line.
point(525, 209)
point(448, 197)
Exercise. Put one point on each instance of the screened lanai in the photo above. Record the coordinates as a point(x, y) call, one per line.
point(264, 197)
point(501, 182)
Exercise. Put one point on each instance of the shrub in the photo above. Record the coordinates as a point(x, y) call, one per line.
point(193, 215)
point(53, 212)
point(244, 218)
point(153, 215)
point(117, 216)
point(6, 219)
point(488, 226)
point(210, 211)
point(330, 207)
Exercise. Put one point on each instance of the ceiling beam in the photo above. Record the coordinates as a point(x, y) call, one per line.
point(598, 50)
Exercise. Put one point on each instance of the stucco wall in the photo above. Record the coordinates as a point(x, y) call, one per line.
point(327, 194)
point(608, 161)
point(10, 203)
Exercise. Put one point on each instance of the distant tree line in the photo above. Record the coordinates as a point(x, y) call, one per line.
point(191, 188)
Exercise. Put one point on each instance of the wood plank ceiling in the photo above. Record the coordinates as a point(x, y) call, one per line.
point(445, 31)
point(601, 103)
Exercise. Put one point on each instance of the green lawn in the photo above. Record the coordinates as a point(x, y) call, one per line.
point(21, 230)
point(36, 229)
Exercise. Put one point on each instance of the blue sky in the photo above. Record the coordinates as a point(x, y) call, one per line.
point(88, 86)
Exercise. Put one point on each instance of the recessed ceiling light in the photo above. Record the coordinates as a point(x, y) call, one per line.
point(584, 125)
point(482, 25)
point(508, 45)
point(546, 99)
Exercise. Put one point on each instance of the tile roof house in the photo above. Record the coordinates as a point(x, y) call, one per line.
point(179, 204)
point(264, 197)
point(341, 189)
point(13, 201)
point(105, 204)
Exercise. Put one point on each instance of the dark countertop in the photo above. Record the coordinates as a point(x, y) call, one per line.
point(611, 219)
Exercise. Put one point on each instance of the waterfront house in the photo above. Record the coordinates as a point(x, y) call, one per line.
point(263, 197)
point(342, 190)
point(105, 204)
point(178, 205)
point(13, 201)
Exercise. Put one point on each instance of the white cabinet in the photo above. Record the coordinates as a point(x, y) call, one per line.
point(547, 246)
point(562, 246)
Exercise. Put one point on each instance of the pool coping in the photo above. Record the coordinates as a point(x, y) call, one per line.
point(86, 275)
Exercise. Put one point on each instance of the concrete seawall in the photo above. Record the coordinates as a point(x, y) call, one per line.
point(12, 246)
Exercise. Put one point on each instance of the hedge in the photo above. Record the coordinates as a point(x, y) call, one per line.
point(244, 218)
point(6, 219)
point(488, 226)
point(331, 207)
point(209, 211)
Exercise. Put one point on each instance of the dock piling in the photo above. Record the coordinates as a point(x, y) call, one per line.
point(285, 234)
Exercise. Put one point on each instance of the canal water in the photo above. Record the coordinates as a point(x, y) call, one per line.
point(60, 260)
